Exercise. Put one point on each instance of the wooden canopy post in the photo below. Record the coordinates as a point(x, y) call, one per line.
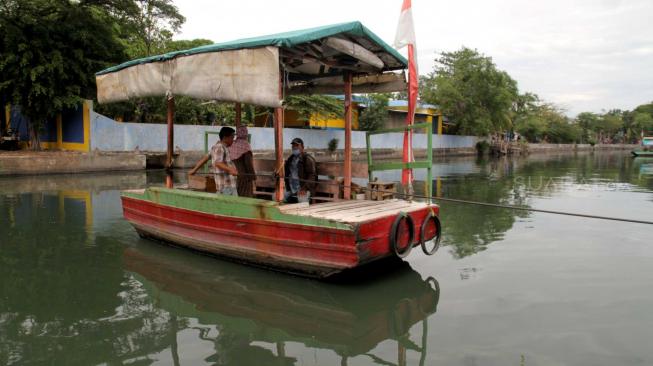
point(171, 139)
point(278, 146)
point(347, 165)
point(238, 114)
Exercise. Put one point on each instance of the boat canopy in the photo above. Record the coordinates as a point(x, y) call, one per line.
point(309, 61)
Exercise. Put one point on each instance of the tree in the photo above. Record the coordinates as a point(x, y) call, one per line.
point(50, 51)
point(586, 122)
point(642, 124)
point(373, 117)
point(321, 106)
point(540, 121)
point(149, 26)
point(471, 91)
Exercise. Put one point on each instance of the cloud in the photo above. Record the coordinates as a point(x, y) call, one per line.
point(586, 54)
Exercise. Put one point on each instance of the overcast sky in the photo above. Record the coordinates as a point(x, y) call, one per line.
point(582, 55)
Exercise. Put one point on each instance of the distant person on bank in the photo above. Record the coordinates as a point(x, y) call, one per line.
point(300, 174)
point(224, 171)
point(243, 158)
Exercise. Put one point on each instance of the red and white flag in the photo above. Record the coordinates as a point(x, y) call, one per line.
point(406, 37)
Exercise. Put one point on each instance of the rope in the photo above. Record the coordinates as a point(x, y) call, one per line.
point(468, 202)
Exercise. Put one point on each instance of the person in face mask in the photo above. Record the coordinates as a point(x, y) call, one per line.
point(301, 175)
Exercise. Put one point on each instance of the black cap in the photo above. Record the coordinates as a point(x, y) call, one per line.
point(297, 140)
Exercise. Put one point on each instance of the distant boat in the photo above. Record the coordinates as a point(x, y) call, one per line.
point(642, 153)
point(647, 145)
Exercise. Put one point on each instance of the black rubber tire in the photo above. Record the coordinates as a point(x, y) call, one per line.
point(438, 235)
point(395, 230)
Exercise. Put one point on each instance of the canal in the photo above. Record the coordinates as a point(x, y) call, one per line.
point(79, 287)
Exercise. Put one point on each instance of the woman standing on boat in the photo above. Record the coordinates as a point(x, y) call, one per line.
point(243, 159)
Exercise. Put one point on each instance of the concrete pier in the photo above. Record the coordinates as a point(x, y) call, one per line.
point(49, 162)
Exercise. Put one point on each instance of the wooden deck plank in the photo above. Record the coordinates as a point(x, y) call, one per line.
point(345, 214)
point(339, 205)
point(364, 218)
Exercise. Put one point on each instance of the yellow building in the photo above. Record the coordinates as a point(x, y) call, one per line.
point(397, 110)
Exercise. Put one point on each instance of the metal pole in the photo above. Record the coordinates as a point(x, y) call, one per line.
point(347, 165)
point(171, 139)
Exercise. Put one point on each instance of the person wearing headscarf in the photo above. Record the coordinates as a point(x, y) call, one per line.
point(243, 158)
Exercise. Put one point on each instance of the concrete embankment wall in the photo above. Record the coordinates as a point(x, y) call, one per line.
point(109, 135)
point(556, 148)
point(27, 162)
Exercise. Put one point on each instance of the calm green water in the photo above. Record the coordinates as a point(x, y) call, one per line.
point(79, 287)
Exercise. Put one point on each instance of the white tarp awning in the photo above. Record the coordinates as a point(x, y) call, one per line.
point(249, 75)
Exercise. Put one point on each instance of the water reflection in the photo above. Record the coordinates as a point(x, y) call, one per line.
point(248, 316)
point(521, 182)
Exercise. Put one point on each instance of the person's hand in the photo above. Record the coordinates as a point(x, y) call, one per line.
point(233, 171)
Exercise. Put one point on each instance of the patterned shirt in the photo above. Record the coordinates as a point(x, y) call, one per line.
point(220, 154)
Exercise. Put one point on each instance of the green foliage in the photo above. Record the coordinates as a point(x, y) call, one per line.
point(50, 51)
point(471, 91)
point(482, 147)
point(333, 145)
point(148, 26)
point(321, 107)
point(373, 117)
point(543, 122)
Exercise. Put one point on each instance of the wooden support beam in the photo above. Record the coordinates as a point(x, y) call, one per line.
point(278, 146)
point(348, 110)
point(238, 114)
point(171, 139)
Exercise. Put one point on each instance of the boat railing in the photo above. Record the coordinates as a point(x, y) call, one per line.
point(422, 164)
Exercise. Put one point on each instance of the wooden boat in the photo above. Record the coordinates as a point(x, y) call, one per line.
point(647, 145)
point(317, 240)
point(642, 153)
point(351, 319)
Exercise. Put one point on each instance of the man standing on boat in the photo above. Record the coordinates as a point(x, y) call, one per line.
point(223, 168)
point(300, 174)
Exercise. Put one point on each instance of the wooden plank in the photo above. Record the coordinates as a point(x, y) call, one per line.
point(350, 214)
point(339, 205)
point(292, 206)
point(411, 208)
point(367, 208)
point(334, 169)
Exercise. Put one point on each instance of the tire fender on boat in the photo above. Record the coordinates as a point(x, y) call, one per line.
point(394, 232)
point(438, 233)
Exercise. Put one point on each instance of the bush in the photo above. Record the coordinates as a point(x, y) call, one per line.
point(482, 147)
point(333, 145)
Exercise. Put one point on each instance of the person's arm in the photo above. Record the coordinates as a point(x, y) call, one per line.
point(199, 164)
point(225, 167)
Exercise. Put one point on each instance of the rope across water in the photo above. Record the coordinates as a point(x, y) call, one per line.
point(468, 202)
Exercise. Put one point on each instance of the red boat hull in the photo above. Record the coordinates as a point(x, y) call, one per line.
point(302, 249)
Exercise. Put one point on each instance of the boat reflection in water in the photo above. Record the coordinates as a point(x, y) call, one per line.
point(250, 314)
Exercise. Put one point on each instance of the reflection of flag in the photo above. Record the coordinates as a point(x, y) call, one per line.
point(406, 37)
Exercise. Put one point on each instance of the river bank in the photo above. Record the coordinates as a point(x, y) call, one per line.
point(57, 162)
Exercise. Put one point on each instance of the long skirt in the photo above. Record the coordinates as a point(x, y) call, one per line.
point(246, 174)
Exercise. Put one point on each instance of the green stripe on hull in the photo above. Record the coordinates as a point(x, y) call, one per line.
point(217, 204)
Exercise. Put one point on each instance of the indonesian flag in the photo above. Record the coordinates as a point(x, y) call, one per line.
point(406, 37)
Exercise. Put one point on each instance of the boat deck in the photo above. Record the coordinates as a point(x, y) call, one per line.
point(354, 211)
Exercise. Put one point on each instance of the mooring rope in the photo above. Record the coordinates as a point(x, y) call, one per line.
point(467, 202)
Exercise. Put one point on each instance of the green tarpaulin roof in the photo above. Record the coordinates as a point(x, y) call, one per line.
point(283, 40)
